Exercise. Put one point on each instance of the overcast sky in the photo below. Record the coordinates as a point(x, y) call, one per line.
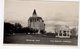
point(63, 13)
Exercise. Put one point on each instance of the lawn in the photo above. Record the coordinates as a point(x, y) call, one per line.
point(38, 39)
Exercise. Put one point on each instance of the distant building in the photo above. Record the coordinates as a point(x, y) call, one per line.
point(36, 22)
point(63, 31)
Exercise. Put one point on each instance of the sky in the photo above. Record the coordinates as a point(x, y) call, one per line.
point(53, 13)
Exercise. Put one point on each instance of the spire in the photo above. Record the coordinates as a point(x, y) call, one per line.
point(34, 12)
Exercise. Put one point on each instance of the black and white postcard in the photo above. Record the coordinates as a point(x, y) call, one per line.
point(41, 22)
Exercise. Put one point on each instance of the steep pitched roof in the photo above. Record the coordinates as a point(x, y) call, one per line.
point(34, 12)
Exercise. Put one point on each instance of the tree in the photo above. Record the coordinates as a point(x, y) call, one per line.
point(8, 28)
point(73, 32)
point(50, 34)
point(42, 31)
point(25, 30)
point(18, 27)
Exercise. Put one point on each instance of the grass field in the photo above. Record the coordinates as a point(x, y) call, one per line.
point(38, 39)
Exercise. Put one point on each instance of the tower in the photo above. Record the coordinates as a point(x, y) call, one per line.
point(36, 22)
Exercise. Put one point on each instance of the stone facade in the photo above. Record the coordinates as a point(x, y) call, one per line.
point(36, 22)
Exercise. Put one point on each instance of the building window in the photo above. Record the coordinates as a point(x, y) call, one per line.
point(37, 20)
point(44, 24)
point(64, 33)
point(60, 33)
point(31, 20)
point(42, 20)
point(68, 33)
